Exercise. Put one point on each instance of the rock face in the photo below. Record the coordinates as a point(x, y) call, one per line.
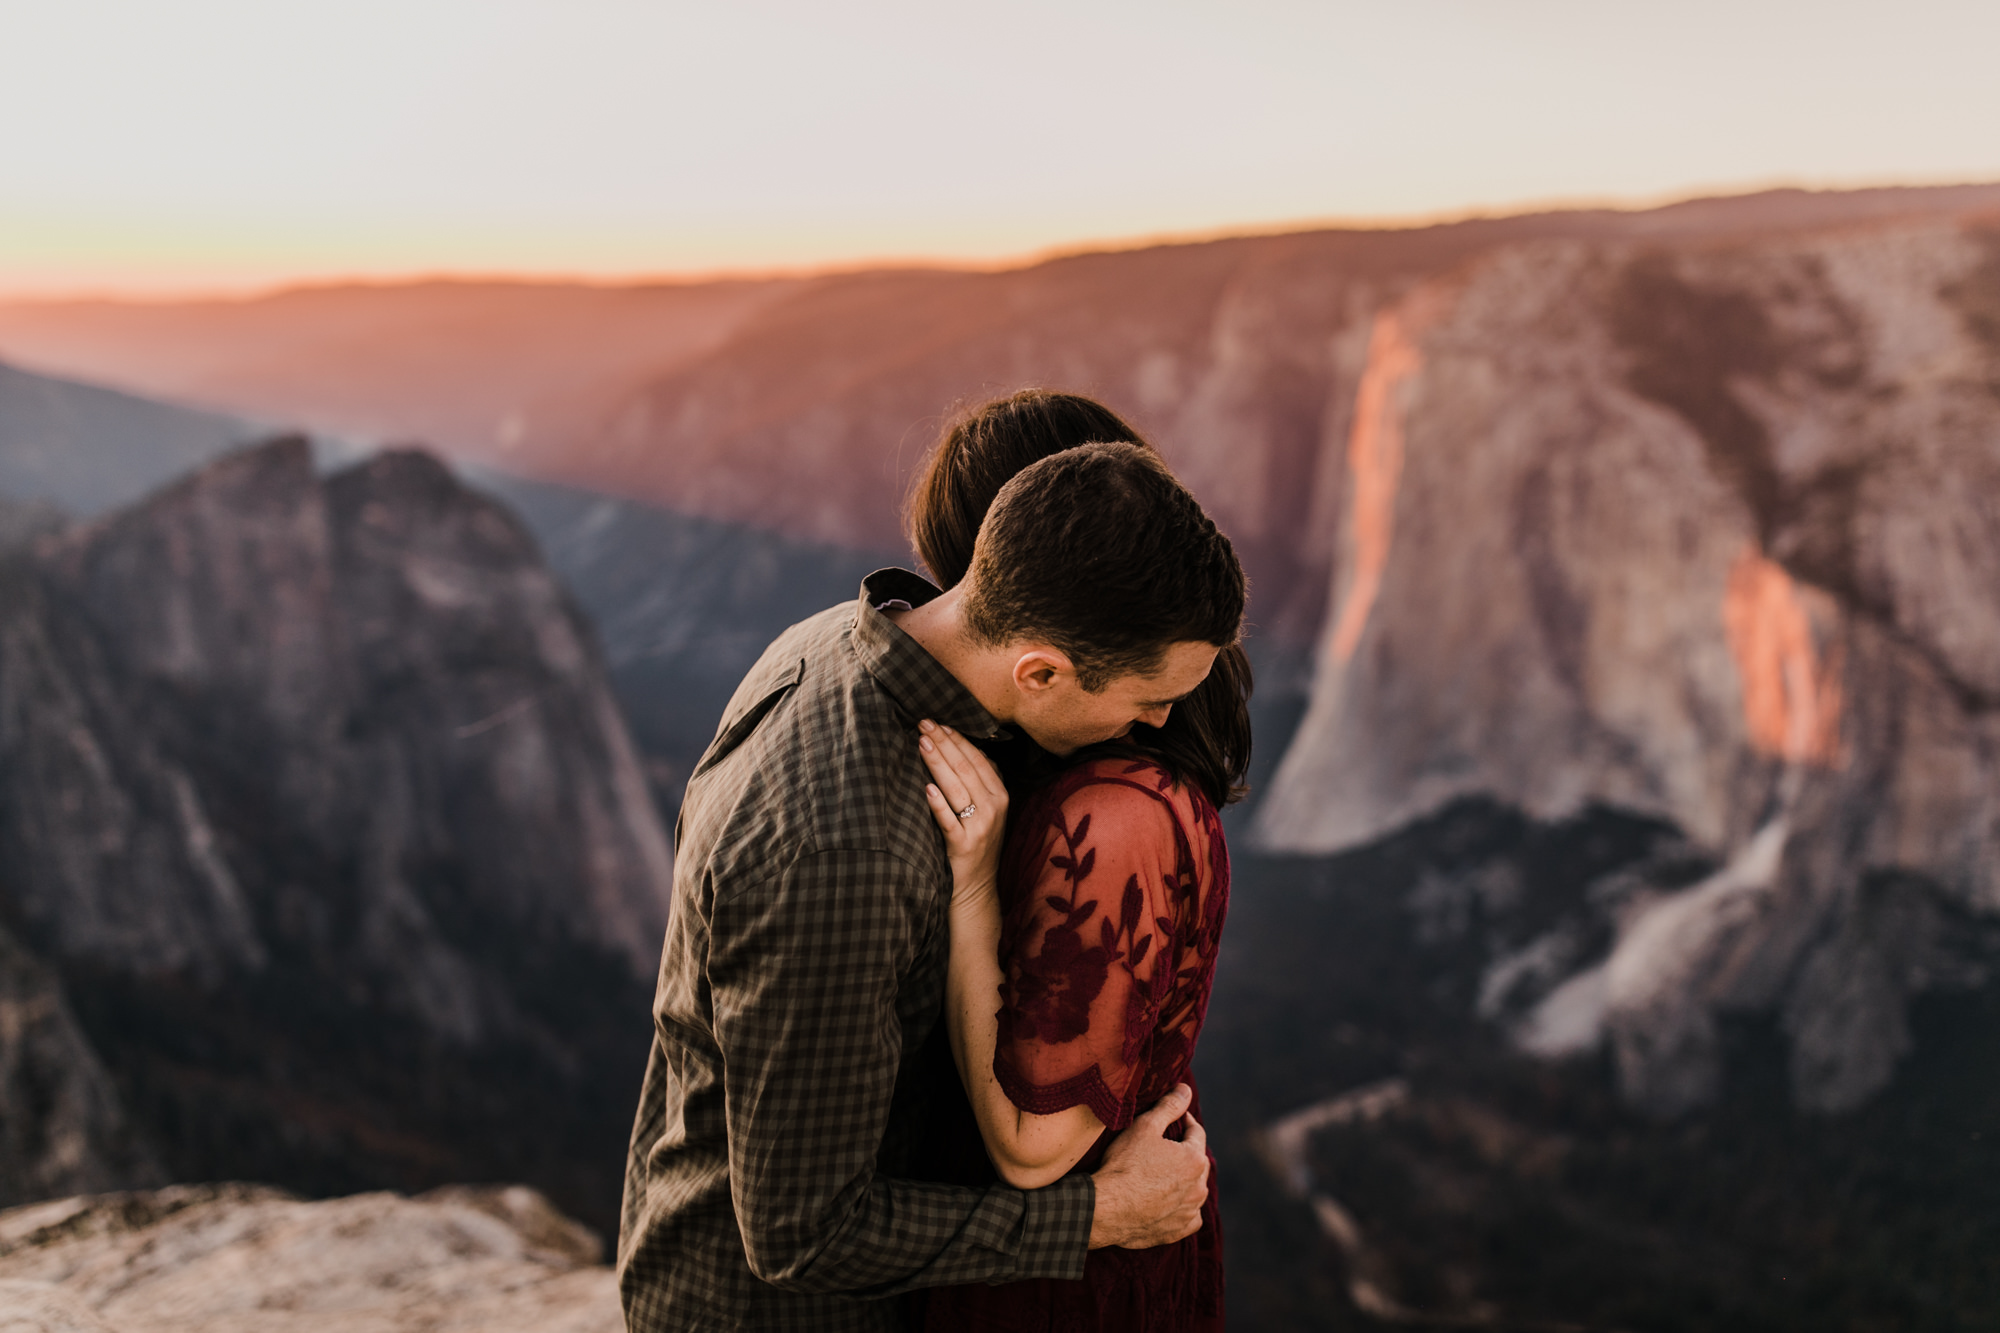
point(318, 801)
point(1707, 533)
point(406, 685)
point(224, 1258)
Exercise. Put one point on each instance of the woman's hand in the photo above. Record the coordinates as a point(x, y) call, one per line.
point(969, 803)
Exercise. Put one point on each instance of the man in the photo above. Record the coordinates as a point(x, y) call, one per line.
point(805, 958)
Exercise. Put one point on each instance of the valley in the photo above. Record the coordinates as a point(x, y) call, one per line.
point(1618, 898)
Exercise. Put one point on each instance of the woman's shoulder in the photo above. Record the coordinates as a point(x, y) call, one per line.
point(1127, 787)
point(1126, 769)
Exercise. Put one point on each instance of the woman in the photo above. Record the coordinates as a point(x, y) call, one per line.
point(1092, 928)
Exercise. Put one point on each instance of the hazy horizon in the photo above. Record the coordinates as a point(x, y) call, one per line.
point(176, 286)
point(226, 147)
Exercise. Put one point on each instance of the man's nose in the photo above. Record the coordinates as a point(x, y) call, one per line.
point(1156, 717)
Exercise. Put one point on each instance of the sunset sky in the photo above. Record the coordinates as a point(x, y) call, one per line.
point(212, 144)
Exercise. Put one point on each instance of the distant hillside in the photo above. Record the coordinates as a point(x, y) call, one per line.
point(799, 406)
point(83, 449)
point(471, 367)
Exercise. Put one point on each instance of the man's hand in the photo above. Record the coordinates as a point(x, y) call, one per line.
point(1150, 1189)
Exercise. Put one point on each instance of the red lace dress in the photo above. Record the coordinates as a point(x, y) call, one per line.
point(1114, 883)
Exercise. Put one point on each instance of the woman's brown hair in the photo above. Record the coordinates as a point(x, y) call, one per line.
point(1206, 740)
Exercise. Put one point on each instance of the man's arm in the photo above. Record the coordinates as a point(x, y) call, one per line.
point(804, 972)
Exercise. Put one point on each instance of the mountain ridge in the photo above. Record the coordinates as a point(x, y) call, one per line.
point(1261, 336)
point(329, 836)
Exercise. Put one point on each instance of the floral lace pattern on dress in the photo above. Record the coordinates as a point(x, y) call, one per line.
point(1116, 881)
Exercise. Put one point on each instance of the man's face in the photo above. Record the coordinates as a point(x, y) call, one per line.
point(1063, 717)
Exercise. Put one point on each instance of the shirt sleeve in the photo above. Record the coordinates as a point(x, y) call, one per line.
point(1090, 920)
point(805, 975)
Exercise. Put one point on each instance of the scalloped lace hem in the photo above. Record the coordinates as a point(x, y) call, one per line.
point(1085, 1089)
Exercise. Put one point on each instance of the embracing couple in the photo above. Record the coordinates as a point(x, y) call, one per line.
point(948, 890)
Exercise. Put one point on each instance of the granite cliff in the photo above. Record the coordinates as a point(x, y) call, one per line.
point(319, 809)
point(1707, 533)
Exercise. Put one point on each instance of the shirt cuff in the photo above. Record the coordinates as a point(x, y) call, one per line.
point(1056, 1229)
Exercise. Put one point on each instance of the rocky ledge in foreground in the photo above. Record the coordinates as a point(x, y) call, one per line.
point(232, 1258)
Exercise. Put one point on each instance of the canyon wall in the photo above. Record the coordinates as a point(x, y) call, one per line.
point(318, 803)
point(1710, 533)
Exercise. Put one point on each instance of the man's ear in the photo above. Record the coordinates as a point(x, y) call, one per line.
point(1039, 668)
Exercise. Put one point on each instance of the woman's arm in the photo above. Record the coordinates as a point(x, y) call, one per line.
point(1028, 1151)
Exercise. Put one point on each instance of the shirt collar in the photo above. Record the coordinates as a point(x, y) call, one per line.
point(906, 672)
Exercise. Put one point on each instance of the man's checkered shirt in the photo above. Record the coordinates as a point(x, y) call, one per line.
point(804, 967)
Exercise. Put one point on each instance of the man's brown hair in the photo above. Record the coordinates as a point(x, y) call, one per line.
point(1207, 740)
point(1102, 553)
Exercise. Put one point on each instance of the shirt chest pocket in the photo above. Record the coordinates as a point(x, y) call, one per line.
point(738, 731)
point(733, 735)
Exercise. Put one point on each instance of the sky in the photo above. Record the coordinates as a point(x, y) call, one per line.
point(212, 145)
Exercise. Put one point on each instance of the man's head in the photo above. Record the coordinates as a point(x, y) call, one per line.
point(1109, 586)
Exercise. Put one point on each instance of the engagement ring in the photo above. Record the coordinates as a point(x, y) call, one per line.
point(967, 812)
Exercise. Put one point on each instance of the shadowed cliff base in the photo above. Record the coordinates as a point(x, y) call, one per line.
point(1492, 1189)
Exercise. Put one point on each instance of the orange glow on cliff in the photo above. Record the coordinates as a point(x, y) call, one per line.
point(1791, 700)
point(1375, 467)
